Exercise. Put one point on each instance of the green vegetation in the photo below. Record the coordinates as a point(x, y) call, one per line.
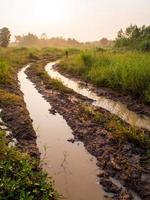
point(20, 176)
point(4, 37)
point(117, 127)
point(53, 52)
point(134, 37)
point(126, 71)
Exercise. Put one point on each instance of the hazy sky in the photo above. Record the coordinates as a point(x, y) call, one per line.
point(81, 19)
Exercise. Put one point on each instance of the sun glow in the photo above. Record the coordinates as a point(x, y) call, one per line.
point(85, 20)
point(55, 12)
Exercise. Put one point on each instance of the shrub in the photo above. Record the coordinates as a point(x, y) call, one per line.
point(20, 176)
point(145, 45)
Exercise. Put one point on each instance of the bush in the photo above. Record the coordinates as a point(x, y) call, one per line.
point(133, 36)
point(145, 45)
point(87, 58)
point(20, 176)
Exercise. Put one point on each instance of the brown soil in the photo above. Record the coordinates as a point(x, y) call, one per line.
point(16, 117)
point(121, 160)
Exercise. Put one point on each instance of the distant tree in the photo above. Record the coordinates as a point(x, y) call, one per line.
point(134, 37)
point(120, 34)
point(71, 42)
point(18, 38)
point(104, 41)
point(145, 32)
point(4, 37)
point(27, 40)
point(132, 32)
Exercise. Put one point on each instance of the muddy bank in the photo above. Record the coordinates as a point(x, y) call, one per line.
point(18, 121)
point(16, 118)
point(133, 103)
point(120, 160)
point(15, 115)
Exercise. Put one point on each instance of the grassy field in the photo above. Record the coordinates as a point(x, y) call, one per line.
point(125, 71)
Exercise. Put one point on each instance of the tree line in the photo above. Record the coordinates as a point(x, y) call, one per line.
point(33, 40)
point(134, 37)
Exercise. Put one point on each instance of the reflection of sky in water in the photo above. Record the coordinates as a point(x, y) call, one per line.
point(114, 107)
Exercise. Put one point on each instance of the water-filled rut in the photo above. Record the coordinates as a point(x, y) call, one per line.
point(71, 166)
point(115, 107)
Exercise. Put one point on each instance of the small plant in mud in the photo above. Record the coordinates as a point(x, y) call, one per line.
point(89, 111)
point(139, 137)
point(3, 68)
point(20, 176)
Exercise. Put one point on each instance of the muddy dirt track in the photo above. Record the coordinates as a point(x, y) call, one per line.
point(124, 162)
point(125, 165)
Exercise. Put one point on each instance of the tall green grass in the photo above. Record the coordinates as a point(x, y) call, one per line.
point(127, 72)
